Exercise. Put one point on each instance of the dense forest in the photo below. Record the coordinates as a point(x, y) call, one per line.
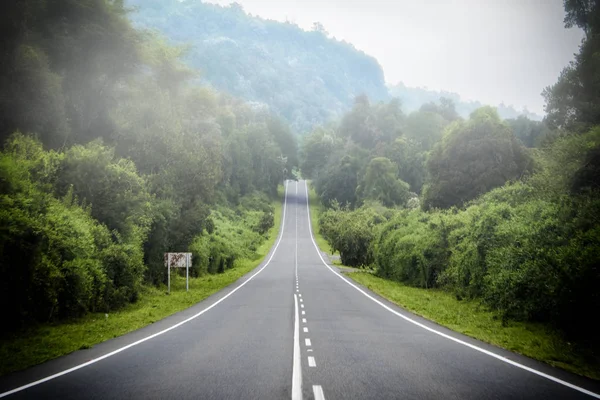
point(506, 212)
point(112, 155)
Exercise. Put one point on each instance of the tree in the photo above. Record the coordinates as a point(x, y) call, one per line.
point(474, 157)
point(425, 128)
point(573, 102)
point(316, 148)
point(380, 183)
point(530, 133)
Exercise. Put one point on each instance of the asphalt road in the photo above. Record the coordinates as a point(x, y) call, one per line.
point(294, 328)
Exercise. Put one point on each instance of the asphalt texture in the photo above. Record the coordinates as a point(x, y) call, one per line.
point(241, 346)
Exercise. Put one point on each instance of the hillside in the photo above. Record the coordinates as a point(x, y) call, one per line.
point(305, 77)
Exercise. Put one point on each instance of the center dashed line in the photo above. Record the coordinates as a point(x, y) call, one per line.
point(311, 362)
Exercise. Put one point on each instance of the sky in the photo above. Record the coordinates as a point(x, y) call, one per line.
point(494, 51)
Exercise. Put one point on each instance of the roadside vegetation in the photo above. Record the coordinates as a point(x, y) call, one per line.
point(112, 154)
point(497, 217)
point(47, 341)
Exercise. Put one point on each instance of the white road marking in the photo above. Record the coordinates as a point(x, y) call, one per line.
point(303, 312)
point(112, 353)
point(304, 320)
point(307, 342)
point(311, 362)
point(309, 350)
point(305, 329)
point(302, 305)
point(297, 366)
point(318, 392)
point(484, 351)
point(300, 300)
point(299, 295)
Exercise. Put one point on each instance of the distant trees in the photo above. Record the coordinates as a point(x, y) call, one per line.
point(474, 157)
point(307, 78)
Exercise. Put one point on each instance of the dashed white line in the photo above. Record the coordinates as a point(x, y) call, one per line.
point(311, 362)
point(309, 350)
point(303, 320)
point(299, 295)
point(487, 352)
point(300, 300)
point(318, 392)
point(112, 353)
point(303, 312)
point(307, 342)
point(297, 366)
point(305, 329)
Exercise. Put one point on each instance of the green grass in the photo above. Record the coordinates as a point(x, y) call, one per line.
point(49, 341)
point(470, 318)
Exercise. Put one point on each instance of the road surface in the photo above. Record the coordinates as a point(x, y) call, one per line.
point(294, 328)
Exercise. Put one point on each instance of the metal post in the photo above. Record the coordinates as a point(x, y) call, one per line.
point(169, 273)
point(187, 272)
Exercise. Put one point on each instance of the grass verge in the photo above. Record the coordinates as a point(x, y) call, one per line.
point(472, 319)
point(49, 341)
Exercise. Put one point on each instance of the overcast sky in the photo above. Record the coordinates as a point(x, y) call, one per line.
point(488, 50)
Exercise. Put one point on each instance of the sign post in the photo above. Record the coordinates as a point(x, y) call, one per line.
point(178, 260)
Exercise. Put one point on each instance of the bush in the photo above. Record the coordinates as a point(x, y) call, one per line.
point(351, 233)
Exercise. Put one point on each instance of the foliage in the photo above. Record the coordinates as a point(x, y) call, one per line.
point(380, 183)
point(126, 157)
point(474, 157)
point(351, 233)
point(573, 103)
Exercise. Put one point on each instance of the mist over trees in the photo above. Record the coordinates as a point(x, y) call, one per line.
point(307, 78)
point(112, 155)
point(506, 212)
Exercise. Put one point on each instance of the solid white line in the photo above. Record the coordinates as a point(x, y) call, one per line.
point(112, 353)
point(489, 353)
point(305, 329)
point(311, 362)
point(297, 366)
point(307, 342)
point(304, 320)
point(318, 392)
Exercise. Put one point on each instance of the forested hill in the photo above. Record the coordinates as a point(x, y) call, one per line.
point(305, 77)
point(412, 98)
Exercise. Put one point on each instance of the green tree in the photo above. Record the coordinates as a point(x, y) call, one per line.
point(474, 157)
point(573, 102)
point(380, 183)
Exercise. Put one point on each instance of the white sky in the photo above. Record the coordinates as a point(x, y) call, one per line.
point(493, 51)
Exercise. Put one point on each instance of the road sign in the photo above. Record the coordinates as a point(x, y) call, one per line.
point(178, 260)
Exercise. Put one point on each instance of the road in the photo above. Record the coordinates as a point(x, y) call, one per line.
point(294, 328)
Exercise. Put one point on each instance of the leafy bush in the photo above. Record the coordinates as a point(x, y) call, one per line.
point(351, 233)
